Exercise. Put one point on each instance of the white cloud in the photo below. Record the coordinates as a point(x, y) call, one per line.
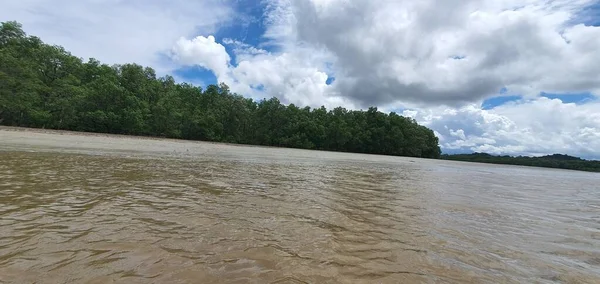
point(116, 31)
point(297, 77)
point(533, 127)
point(452, 52)
point(427, 52)
point(204, 52)
point(243, 51)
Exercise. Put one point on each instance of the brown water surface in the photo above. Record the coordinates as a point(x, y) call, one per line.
point(105, 209)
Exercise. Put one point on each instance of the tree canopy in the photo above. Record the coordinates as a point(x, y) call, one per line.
point(557, 161)
point(44, 86)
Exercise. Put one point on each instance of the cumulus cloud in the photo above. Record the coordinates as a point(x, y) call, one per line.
point(204, 52)
point(532, 127)
point(115, 31)
point(428, 52)
point(292, 77)
point(298, 76)
point(452, 51)
point(243, 51)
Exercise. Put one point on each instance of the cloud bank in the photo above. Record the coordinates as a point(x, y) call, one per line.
point(534, 127)
point(425, 52)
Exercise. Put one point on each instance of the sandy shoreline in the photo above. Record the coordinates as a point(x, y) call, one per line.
point(23, 138)
point(122, 136)
point(84, 133)
point(39, 139)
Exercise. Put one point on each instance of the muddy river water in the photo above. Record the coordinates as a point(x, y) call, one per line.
point(78, 208)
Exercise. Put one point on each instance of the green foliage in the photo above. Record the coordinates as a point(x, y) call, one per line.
point(45, 86)
point(551, 161)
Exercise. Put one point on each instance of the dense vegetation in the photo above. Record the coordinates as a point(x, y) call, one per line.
point(551, 161)
point(45, 86)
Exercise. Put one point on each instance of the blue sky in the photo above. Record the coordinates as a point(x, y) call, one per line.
point(498, 76)
point(590, 15)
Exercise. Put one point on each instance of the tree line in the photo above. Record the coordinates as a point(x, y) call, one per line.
point(44, 86)
point(557, 161)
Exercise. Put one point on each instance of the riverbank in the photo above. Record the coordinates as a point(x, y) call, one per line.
point(39, 137)
point(105, 140)
point(26, 130)
point(556, 161)
point(25, 139)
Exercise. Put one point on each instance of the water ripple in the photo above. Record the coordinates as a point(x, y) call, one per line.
point(245, 215)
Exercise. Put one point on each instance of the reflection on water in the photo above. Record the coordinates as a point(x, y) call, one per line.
point(187, 212)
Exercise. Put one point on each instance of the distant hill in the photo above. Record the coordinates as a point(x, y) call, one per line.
point(561, 157)
point(558, 161)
